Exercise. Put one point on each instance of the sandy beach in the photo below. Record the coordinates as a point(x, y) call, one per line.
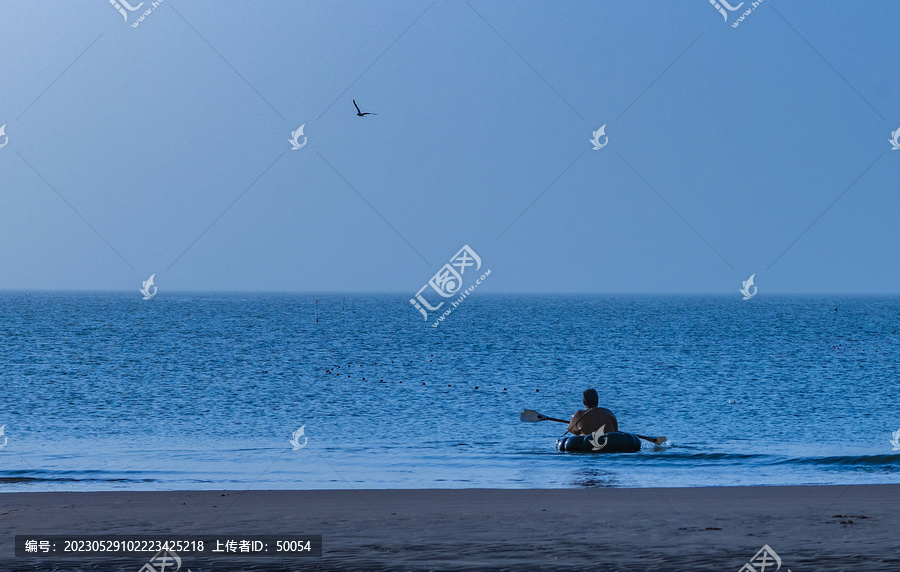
point(810, 527)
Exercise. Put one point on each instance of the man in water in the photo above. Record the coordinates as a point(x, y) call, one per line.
point(586, 421)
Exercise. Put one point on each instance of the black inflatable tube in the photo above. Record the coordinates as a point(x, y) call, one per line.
point(616, 442)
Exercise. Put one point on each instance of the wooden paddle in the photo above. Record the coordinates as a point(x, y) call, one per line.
point(532, 416)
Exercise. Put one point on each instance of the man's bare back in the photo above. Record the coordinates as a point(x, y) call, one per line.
point(586, 421)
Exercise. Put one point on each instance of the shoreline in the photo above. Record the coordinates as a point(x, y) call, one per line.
point(811, 527)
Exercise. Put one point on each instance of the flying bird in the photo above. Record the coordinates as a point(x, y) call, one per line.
point(360, 113)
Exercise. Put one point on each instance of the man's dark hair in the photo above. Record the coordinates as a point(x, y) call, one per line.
point(590, 398)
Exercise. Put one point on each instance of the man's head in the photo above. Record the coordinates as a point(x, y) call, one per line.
point(590, 398)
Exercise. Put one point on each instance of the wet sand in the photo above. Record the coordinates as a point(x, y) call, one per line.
point(819, 528)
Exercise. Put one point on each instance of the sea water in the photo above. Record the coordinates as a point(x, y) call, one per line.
point(106, 391)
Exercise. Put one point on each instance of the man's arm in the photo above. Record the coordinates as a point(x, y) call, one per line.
point(574, 420)
point(613, 422)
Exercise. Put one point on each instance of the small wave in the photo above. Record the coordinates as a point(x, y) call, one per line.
point(11, 477)
point(670, 454)
point(861, 460)
point(69, 480)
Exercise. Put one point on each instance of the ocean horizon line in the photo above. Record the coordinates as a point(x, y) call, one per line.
point(780, 294)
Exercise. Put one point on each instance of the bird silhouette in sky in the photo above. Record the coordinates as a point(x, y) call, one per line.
point(360, 113)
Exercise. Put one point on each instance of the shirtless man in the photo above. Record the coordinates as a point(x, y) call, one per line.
point(586, 421)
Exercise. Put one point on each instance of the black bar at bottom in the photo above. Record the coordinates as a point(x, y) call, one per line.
point(150, 545)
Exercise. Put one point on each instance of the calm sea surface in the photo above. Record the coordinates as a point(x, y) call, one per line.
point(105, 391)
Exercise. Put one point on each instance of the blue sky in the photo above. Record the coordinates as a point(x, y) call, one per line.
point(163, 148)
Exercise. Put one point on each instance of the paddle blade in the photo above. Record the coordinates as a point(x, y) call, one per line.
point(654, 440)
point(530, 416)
